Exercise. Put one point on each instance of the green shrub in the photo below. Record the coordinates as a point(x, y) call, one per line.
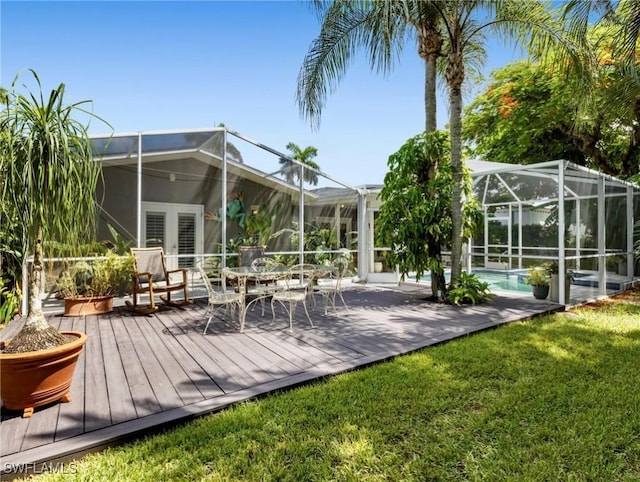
point(538, 276)
point(106, 275)
point(469, 289)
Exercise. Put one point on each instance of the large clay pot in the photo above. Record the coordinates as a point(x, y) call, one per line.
point(81, 306)
point(33, 379)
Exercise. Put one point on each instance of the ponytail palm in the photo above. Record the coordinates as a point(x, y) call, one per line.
point(49, 182)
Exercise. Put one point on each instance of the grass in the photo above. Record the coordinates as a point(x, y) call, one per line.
point(555, 398)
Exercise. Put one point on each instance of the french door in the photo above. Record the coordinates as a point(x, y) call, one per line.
point(177, 228)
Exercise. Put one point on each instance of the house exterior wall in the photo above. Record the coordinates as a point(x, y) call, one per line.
point(187, 181)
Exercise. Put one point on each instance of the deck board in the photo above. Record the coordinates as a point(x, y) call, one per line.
point(199, 349)
point(122, 404)
point(197, 375)
point(138, 373)
point(170, 361)
point(70, 419)
point(153, 365)
point(142, 393)
point(97, 413)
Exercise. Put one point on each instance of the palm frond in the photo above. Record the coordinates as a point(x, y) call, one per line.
point(377, 27)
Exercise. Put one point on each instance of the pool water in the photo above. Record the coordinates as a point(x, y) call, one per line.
point(512, 280)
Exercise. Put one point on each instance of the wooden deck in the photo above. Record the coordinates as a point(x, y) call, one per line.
point(141, 373)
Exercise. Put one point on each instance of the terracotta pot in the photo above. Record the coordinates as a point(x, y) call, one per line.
point(33, 379)
point(81, 306)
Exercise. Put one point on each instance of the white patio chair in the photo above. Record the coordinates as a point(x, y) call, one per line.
point(298, 285)
point(330, 285)
point(217, 300)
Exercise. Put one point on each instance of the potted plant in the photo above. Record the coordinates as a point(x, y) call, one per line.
point(538, 278)
point(88, 288)
point(49, 181)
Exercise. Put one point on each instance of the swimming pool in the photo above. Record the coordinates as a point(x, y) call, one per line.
point(498, 280)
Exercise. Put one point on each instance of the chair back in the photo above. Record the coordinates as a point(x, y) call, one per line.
point(341, 265)
point(246, 254)
point(301, 276)
point(212, 293)
point(150, 260)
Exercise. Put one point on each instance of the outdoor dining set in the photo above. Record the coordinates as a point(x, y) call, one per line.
point(258, 279)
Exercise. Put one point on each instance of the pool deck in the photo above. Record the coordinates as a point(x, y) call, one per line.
point(141, 374)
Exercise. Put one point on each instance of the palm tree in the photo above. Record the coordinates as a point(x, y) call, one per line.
point(381, 28)
point(465, 23)
point(453, 27)
point(291, 170)
point(49, 177)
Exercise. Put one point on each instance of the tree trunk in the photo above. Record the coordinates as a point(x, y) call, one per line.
point(36, 334)
point(430, 98)
point(455, 77)
point(456, 163)
point(430, 48)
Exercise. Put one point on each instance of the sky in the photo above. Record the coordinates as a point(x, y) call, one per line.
point(166, 65)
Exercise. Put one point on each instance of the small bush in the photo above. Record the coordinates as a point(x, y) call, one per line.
point(107, 275)
point(538, 276)
point(469, 289)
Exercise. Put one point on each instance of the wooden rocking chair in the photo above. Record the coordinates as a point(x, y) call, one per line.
point(152, 277)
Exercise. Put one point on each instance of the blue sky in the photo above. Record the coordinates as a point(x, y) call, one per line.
point(151, 66)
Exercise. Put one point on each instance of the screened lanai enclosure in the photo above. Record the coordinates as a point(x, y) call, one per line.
point(201, 194)
point(557, 213)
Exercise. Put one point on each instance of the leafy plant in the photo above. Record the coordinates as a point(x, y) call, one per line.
point(468, 288)
point(9, 300)
point(259, 224)
point(538, 276)
point(416, 215)
point(553, 268)
point(107, 275)
point(119, 245)
point(232, 248)
point(11, 257)
point(318, 239)
point(49, 177)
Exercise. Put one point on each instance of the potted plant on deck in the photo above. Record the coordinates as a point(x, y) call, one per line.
point(88, 287)
point(538, 278)
point(49, 180)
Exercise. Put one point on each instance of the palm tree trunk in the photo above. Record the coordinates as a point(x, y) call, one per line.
point(430, 94)
point(438, 282)
point(455, 129)
point(430, 48)
point(455, 77)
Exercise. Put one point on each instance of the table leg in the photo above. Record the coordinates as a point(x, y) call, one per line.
point(242, 289)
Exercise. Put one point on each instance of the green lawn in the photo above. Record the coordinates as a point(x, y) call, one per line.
point(555, 398)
